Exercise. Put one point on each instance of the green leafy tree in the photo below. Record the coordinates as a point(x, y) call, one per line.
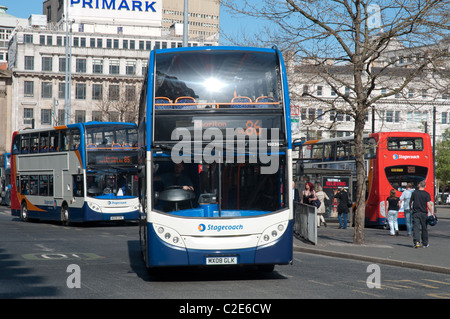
point(443, 160)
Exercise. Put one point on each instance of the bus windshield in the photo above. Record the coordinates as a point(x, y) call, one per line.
point(206, 79)
point(111, 159)
point(111, 184)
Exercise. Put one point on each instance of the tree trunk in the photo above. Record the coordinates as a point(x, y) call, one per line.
point(358, 235)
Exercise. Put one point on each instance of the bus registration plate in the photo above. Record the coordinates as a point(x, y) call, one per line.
point(116, 218)
point(221, 260)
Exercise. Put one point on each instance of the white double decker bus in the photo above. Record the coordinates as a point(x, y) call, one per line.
point(215, 158)
point(75, 173)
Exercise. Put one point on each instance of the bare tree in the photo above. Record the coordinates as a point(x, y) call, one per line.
point(359, 36)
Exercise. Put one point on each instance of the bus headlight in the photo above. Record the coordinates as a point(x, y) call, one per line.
point(94, 207)
point(272, 233)
point(168, 235)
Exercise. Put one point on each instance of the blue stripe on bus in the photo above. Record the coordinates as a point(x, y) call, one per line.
point(161, 254)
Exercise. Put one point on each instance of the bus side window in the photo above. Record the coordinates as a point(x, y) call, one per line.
point(50, 185)
point(78, 190)
point(53, 143)
point(25, 144)
point(75, 139)
point(34, 143)
point(34, 187)
point(16, 145)
point(24, 185)
point(64, 141)
point(43, 142)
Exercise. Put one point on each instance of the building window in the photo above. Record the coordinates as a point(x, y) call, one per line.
point(131, 68)
point(80, 116)
point(46, 63)
point(29, 63)
point(28, 88)
point(81, 65)
point(61, 116)
point(97, 116)
point(97, 92)
point(28, 116)
point(114, 93)
point(46, 117)
point(444, 118)
point(97, 66)
point(62, 90)
point(46, 90)
point(80, 91)
point(319, 90)
point(62, 64)
point(130, 93)
point(28, 38)
point(114, 66)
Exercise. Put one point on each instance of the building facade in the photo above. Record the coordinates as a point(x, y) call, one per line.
point(110, 46)
point(318, 111)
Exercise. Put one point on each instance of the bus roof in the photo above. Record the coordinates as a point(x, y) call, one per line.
point(347, 138)
point(215, 48)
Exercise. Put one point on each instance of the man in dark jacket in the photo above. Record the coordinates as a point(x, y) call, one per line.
point(342, 208)
point(420, 203)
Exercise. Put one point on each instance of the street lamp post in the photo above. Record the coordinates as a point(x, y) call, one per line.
point(68, 76)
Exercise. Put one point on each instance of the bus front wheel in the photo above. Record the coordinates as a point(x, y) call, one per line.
point(65, 215)
point(24, 212)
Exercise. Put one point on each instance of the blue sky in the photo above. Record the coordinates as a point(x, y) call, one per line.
point(228, 24)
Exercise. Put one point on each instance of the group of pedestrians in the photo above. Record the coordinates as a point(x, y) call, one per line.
point(311, 195)
point(416, 205)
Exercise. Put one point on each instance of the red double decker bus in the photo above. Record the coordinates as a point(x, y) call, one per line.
point(393, 159)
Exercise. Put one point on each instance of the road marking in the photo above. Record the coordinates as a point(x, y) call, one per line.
point(61, 256)
point(321, 283)
point(367, 293)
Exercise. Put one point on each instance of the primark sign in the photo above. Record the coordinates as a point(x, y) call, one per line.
point(116, 5)
point(150, 11)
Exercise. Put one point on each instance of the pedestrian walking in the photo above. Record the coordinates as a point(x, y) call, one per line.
point(321, 195)
point(420, 203)
point(405, 199)
point(392, 207)
point(342, 208)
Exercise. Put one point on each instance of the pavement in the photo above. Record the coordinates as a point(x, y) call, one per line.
point(382, 248)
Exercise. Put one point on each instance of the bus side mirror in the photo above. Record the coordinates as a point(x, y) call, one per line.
point(299, 169)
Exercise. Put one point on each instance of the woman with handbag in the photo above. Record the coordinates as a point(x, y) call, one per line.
point(321, 195)
point(308, 194)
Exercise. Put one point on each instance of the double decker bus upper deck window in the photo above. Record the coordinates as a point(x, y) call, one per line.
point(230, 79)
point(405, 144)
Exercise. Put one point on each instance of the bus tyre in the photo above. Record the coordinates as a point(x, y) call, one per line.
point(24, 212)
point(65, 215)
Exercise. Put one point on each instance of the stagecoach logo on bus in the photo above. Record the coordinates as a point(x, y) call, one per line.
point(405, 157)
point(231, 149)
point(219, 228)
